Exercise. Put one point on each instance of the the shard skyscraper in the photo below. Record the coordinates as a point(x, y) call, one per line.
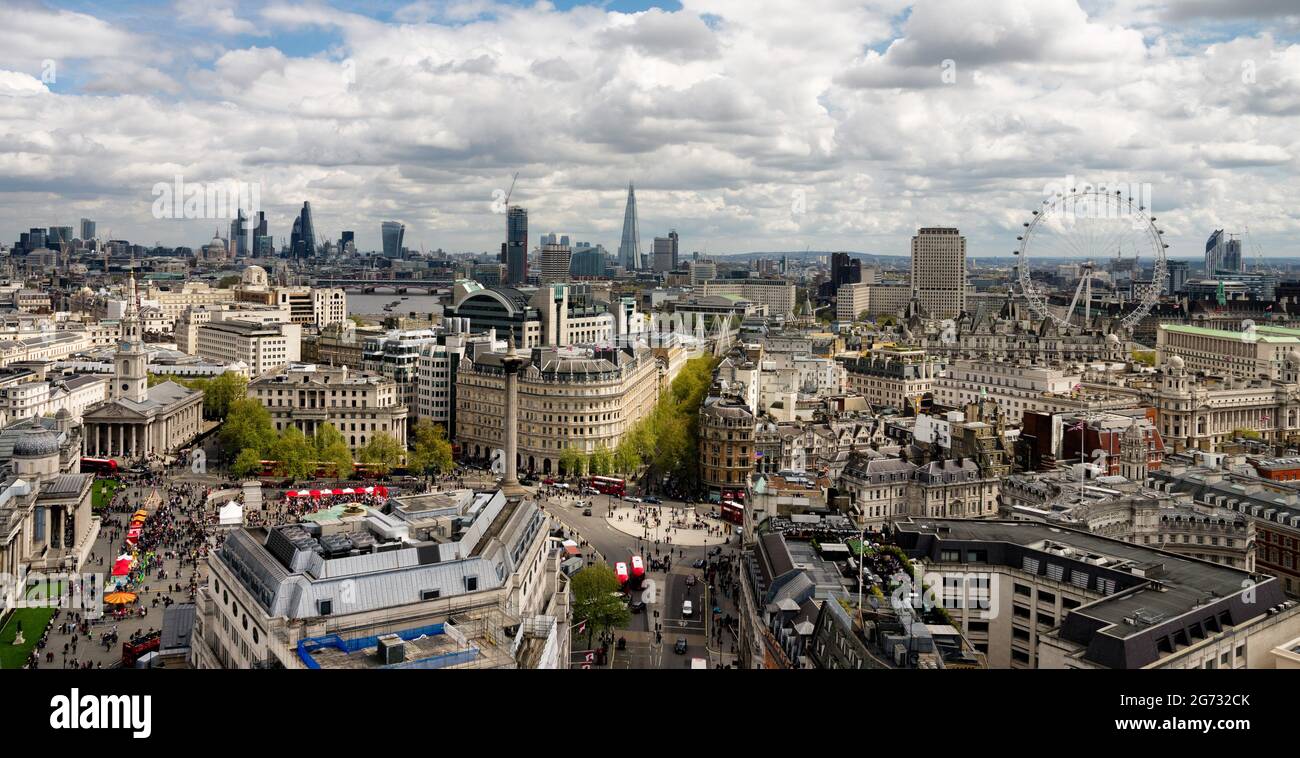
point(629, 250)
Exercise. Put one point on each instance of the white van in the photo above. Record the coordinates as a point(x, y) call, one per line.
point(687, 608)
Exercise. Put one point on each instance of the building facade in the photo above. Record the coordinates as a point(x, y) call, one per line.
point(579, 399)
point(360, 405)
point(939, 271)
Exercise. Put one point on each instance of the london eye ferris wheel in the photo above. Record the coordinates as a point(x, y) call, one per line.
point(1094, 236)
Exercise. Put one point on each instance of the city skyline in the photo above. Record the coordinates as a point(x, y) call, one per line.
point(878, 119)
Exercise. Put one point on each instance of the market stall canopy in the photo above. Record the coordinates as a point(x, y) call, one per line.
point(231, 514)
point(378, 490)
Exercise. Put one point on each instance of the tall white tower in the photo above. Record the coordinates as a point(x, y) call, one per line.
point(131, 374)
point(939, 271)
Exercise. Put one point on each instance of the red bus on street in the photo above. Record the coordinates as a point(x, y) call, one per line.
point(131, 651)
point(105, 466)
point(620, 570)
point(607, 485)
point(732, 512)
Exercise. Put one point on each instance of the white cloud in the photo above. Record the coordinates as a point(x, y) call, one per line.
point(216, 15)
point(16, 83)
point(719, 112)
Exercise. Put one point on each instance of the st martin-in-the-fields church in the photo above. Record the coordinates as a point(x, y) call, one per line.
point(139, 421)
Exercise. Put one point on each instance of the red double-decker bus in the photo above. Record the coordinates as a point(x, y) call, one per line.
point(131, 651)
point(607, 485)
point(106, 466)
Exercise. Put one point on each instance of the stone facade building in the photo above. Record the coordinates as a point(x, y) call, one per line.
point(578, 398)
point(358, 404)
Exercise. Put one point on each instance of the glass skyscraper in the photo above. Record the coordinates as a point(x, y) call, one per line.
point(629, 249)
point(239, 235)
point(392, 233)
point(307, 230)
point(516, 245)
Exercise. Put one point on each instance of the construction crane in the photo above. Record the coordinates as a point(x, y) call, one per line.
point(1259, 252)
point(511, 191)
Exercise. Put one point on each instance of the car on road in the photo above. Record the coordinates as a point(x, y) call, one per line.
point(636, 606)
point(586, 511)
point(631, 499)
point(653, 500)
point(690, 580)
point(699, 564)
point(680, 647)
point(687, 608)
point(715, 550)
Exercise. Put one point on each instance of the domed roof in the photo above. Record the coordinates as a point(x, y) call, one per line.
point(1176, 362)
point(36, 442)
point(253, 276)
point(63, 413)
point(1293, 359)
point(1112, 339)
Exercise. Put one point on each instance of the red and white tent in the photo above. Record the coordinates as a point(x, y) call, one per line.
point(379, 490)
point(122, 566)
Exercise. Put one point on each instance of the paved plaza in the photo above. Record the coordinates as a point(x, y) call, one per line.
point(671, 526)
point(179, 534)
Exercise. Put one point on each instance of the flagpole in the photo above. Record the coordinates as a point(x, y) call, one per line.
point(1083, 457)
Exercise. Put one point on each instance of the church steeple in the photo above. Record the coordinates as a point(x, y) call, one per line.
point(131, 374)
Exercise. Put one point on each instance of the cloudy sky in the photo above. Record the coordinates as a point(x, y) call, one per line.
point(745, 124)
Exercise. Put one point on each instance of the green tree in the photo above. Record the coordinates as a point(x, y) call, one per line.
point(226, 282)
point(602, 461)
point(220, 391)
point(430, 450)
point(381, 454)
point(248, 425)
point(596, 600)
point(295, 453)
point(331, 447)
point(626, 459)
point(247, 463)
point(571, 461)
